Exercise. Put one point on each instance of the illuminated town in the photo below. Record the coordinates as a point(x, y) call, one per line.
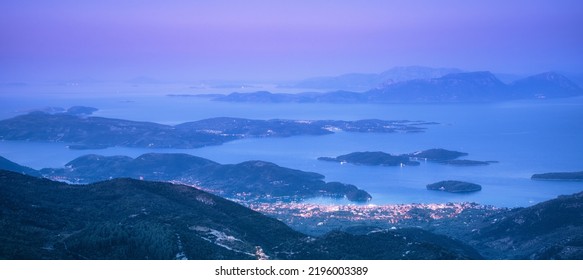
point(320, 218)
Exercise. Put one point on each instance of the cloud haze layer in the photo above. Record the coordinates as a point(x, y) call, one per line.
point(270, 40)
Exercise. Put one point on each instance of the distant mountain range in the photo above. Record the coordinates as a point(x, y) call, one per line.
point(453, 87)
point(86, 132)
point(360, 81)
point(473, 86)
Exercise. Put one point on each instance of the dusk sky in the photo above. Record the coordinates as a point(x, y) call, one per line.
point(277, 40)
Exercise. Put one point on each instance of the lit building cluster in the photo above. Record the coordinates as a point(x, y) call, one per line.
point(391, 214)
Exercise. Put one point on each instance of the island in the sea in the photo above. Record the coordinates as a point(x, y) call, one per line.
point(559, 176)
point(384, 159)
point(372, 158)
point(437, 155)
point(88, 132)
point(453, 186)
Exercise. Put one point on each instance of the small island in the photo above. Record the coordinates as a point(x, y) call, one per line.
point(372, 158)
point(559, 176)
point(454, 186)
point(442, 156)
point(437, 155)
point(448, 157)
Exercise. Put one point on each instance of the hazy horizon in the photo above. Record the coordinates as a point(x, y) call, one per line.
point(267, 41)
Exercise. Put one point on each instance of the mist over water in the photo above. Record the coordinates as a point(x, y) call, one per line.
point(526, 137)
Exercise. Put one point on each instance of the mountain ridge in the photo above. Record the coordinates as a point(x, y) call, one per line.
point(99, 132)
point(134, 219)
point(549, 230)
point(249, 180)
point(364, 81)
point(480, 86)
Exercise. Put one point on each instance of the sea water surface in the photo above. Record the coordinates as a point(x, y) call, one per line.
point(526, 137)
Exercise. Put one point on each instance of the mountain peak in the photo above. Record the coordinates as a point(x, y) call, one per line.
point(404, 73)
point(453, 87)
point(544, 85)
point(365, 81)
point(480, 77)
point(553, 77)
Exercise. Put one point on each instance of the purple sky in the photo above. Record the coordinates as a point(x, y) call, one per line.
point(272, 40)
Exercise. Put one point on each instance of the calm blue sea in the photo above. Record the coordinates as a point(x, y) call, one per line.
point(526, 137)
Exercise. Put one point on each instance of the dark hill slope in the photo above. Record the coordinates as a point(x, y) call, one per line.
point(128, 219)
point(132, 219)
point(6, 164)
point(548, 230)
point(405, 244)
